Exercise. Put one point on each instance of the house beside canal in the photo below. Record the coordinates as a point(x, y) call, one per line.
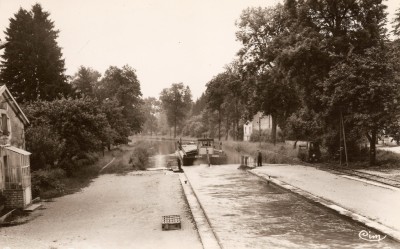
point(259, 121)
point(15, 175)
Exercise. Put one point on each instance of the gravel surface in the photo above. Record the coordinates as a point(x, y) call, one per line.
point(115, 211)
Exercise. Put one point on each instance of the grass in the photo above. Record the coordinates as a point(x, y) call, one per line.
point(54, 183)
point(281, 153)
point(385, 160)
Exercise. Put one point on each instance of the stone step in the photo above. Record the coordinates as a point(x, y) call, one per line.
point(32, 207)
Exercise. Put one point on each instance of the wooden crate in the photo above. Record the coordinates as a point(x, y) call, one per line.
point(171, 222)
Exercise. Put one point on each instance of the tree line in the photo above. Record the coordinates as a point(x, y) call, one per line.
point(72, 119)
point(319, 68)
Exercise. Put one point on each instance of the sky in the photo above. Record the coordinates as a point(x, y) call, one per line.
point(165, 41)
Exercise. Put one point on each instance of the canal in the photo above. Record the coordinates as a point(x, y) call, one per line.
point(247, 212)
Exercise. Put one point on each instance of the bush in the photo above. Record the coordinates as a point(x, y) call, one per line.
point(46, 146)
point(80, 166)
point(139, 158)
point(48, 180)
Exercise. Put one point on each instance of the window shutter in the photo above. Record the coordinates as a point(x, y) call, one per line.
point(4, 124)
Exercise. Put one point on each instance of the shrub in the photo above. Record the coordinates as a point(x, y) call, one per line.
point(46, 146)
point(47, 180)
point(139, 158)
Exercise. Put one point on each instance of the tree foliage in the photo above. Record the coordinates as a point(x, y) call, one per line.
point(150, 109)
point(176, 102)
point(32, 65)
point(123, 86)
point(85, 81)
point(396, 23)
point(77, 125)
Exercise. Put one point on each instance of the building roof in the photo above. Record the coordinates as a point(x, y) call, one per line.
point(18, 150)
point(10, 99)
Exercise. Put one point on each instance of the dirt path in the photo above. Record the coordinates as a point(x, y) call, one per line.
point(113, 212)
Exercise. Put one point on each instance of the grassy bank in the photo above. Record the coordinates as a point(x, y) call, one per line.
point(53, 183)
point(285, 154)
point(384, 160)
point(280, 153)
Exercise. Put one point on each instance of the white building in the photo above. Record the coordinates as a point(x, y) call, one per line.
point(260, 121)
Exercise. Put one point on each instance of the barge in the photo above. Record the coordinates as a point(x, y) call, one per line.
point(204, 152)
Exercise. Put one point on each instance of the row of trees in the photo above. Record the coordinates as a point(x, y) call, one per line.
point(309, 64)
point(72, 118)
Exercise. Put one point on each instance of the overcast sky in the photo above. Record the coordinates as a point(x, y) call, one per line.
point(166, 41)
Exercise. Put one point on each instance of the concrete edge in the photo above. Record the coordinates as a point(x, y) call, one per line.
point(392, 233)
point(207, 235)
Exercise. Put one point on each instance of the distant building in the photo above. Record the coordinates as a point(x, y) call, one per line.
point(259, 121)
point(15, 174)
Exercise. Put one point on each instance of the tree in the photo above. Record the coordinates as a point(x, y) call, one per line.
point(78, 124)
point(194, 127)
point(349, 33)
point(32, 65)
point(276, 97)
point(85, 81)
point(120, 130)
point(151, 108)
point(364, 91)
point(264, 33)
point(46, 146)
point(199, 105)
point(396, 23)
point(123, 86)
point(216, 96)
point(176, 101)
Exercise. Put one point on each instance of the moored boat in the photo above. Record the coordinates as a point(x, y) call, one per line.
point(202, 152)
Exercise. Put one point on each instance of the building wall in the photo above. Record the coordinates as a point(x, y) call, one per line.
point(15, 126)
point(259, 121)
point(247, 130)
point(16, 136)
point(265, 121)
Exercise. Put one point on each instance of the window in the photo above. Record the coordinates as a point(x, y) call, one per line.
point(4, 124)
point(3, 105)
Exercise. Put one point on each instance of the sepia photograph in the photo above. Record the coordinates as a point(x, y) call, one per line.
point(200, 124)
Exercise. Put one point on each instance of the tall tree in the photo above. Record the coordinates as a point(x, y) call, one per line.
point(32, 65)
point(352, 34)
point(150, 108)
point(176, 102)
point(216, 96)
point(123, 86)
point(265, 33)
point(396, 23)
point(364, 91)
point(85, 81)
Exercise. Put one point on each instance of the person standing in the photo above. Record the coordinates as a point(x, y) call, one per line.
point(259, 158)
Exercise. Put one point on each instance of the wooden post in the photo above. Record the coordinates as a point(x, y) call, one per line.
point(344, 139)
point(259, 129)
point(340, 141)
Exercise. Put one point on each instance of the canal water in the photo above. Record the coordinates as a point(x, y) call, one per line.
point(246, 212)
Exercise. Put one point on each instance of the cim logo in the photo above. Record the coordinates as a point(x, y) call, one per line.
point(369, 236)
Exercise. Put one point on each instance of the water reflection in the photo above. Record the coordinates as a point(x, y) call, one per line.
point(246, 212)
point(162, 150)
